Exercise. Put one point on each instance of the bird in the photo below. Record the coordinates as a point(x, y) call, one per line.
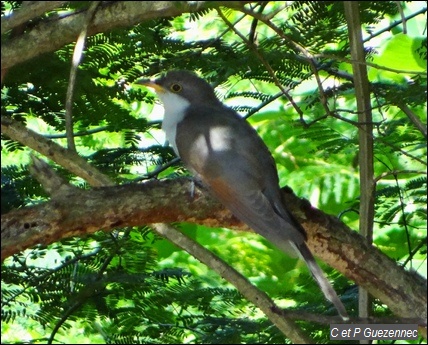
point(224, 152)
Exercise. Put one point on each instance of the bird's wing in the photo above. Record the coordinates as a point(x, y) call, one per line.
point(235, 164)
point(254, 209)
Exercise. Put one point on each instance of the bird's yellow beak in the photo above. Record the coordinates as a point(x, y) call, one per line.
point(151, 84)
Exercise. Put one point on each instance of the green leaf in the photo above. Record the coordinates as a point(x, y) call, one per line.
point(400, 53)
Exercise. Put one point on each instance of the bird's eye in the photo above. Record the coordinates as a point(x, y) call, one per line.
point(175, 87)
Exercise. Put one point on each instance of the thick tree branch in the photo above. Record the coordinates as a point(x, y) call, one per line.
point(49, 36)
point(28, 11)
point(59, 188)
point(79, 212)
point(68, 159)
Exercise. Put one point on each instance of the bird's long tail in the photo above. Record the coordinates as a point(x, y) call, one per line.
point(321, 279)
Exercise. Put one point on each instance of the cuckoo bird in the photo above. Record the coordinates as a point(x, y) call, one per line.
point(222, 150)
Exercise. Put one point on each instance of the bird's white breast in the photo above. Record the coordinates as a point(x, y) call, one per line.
point(175, 108)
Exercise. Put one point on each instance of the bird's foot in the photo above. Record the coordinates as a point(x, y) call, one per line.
point(195, 181)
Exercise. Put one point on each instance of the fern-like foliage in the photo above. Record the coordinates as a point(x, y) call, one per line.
point(116, 284)
point(113, 278)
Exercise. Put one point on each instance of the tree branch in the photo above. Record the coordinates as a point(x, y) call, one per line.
point(365, 137)
point(265, 63)
point(77, 57)
point(396, 23)
point(254, 295)
point(49, 36)
point(413, 118)
point(68, 159)
point(29, 10)
point(78, 212)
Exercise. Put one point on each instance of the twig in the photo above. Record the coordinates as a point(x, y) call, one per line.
point(398, 172)
point(77, 57)
point(326, 320)
point(158, 170)
point(415, 250)
point(308, 57)
point(263, 104)
point(398, 149)
point(253, 28)
point(396, 23)
point(264, 62)
point(403, 17)
point(370, 64)
point(413, 118)
point(78, 134)
point(87, 292)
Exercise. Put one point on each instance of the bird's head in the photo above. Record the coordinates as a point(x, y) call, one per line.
point(182, 84)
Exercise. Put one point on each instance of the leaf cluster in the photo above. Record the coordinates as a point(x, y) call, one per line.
point(116, 283)
point(113, 281)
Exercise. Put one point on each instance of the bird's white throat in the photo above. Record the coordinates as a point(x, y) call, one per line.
point(175, 107)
